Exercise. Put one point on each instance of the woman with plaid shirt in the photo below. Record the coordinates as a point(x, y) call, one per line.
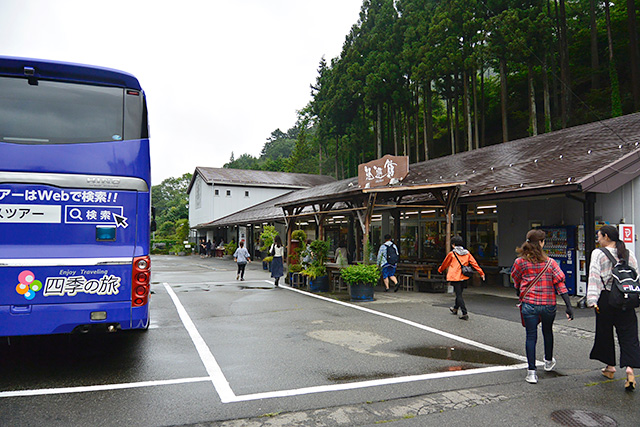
point(539, 302)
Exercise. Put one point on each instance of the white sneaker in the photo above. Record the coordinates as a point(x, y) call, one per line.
point(549, 364)
point(532, 377)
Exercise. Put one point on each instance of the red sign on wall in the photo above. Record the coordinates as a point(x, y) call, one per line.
point(626, 233)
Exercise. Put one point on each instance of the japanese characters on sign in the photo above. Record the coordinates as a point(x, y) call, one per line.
point(97, 207)
point(70, 283)
point(384, 171)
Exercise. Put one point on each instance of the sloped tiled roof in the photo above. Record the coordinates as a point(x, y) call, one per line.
point(595, 157)
point(258, 178)
point(262, 212)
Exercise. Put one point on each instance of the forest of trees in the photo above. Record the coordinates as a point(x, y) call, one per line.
point(428, 78)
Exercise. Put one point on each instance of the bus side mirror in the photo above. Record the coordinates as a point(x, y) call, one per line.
point(153, 226)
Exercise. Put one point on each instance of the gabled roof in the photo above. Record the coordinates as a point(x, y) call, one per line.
point(262, 212)
point(595, 157)
point(258, 178)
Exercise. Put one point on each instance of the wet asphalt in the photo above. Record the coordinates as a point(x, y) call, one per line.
point(292, 358)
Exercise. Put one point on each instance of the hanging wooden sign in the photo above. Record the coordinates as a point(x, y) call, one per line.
point(384, 171)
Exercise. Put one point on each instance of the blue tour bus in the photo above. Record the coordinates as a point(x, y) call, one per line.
point(74, 199)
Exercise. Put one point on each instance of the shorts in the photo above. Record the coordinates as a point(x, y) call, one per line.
point(388, 271)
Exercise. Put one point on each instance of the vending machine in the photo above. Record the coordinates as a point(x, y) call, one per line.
point(560, 244)
point(581, 279)
point(627, 235)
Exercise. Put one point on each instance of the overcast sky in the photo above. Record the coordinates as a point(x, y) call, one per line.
point(220, 76)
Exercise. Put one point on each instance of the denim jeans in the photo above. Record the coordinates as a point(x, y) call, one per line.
point(533, 314)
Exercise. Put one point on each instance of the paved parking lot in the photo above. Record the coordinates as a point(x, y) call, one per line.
point(220, 349)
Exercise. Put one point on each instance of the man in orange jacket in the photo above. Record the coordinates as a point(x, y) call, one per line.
point(453, 263)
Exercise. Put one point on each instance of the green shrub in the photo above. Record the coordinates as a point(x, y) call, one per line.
point(299, 235)
point(366, 274)
point(317, 268)
point(268, 234)
point(295, 268)
point(230, 248)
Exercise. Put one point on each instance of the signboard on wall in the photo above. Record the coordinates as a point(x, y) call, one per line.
point(384, 171)
point(628, 236)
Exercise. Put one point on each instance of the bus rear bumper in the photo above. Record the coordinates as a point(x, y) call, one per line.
point(42, 319)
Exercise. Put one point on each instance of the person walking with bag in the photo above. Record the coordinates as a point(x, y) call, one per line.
point(537, 279)
point(241, 256)
point(455, 262)
point(388, 257)
point(277, 267)
point(607, 316)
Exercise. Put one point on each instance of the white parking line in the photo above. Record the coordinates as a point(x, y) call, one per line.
point(226, 394)
point(374, 383)
point(102, 387)
point(416, 325)
point(211, 365)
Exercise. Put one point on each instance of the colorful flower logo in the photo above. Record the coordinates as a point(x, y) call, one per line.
point(28, 285)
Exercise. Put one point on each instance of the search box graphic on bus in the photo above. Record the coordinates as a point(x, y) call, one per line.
point(77, 214)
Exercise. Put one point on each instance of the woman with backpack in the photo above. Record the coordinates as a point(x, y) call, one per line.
point(453, 263)
point(388, 257)
point(537, 279)
point(607, 316)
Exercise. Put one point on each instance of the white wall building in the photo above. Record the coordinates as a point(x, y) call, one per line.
point(217, 192)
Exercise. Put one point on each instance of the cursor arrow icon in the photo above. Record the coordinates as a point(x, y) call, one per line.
point(121, 221)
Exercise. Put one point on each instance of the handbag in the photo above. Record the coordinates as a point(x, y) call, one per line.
point(467, 270)
point(528, 288)
point(272, 252)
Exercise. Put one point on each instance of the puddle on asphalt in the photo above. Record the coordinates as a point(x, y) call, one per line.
point(457, 354)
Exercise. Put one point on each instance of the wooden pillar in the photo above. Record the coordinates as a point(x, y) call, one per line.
point(448, 217)
point(450, 205)
point(288, 221)
point(352, 245)
point(368, 213)
point(320, 220)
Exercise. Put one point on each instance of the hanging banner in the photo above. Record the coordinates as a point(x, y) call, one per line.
point(387, 170)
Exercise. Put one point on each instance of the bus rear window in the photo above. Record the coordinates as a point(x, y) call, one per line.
point(58, 113)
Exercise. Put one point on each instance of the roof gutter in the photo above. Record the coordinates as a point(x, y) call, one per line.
point(612, 176)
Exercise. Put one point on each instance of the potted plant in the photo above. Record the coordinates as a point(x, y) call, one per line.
point(267, 236)
point(230, 248)
point(298, 239)
point(296, 279)
point(361, 279)
point(266, 262)
point(317, 270)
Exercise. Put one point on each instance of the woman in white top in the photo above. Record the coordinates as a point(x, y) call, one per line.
point(625, 321)
point(278, 254)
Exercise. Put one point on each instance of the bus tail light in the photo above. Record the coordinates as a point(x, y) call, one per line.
point(140, 281)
